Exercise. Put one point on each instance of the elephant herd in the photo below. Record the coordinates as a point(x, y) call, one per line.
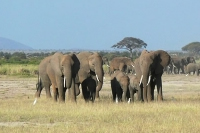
point(69, 71)
point(184, 65)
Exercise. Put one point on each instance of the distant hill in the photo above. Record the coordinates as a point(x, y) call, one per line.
point(8, 44)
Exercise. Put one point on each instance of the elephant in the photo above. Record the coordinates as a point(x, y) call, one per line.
point(169, 69)
point(58, 70)
point(151, 66)
point(120, 86)
point(120, 63)
point(133, 86)
point(179, 63)
point(138, 73)
point(89, 74)
point(190, 59)
point(42, 74)
point(192, 67)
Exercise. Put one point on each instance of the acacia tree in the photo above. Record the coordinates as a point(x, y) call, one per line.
point(130, 44)
point(193, 47)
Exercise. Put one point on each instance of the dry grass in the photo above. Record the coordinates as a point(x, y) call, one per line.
point(179, 112)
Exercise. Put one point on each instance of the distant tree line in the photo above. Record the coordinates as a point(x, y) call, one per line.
point(133, 47)
point(21, 58)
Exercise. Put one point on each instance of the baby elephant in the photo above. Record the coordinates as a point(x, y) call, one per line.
point(192, 67)
point(134, 86)
point(119, 86)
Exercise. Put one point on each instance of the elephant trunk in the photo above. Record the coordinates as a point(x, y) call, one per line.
point(99, 77)
point(147, 87)
point(67, 78)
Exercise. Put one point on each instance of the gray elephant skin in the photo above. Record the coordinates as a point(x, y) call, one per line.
point(151, 65)
point(120, 63)
point(58, 70)
point(120, 86)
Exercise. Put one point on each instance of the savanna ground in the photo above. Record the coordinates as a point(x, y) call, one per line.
point(179, 112)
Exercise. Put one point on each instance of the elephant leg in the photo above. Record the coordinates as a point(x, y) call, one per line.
point(152, 90)
point(77, 90)
point(131, 93)
point(139, 93)
point(113, 90)
point(124, 94)
point(149, 95)
point(47, 89)
point(159, 88)
point(92, 88)
point(55, 93)
point(127, 95)
point(119, 93)
point(85, 91)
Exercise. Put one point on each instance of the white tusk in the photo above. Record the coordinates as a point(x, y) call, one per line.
point(132, 65)
point(141, 80)
point(97, 78)
point(35, 101)
point(64, 81)
point(108, 66)
point(149, 80)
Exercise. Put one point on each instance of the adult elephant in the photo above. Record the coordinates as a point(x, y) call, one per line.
point(89, 74)
point(119, 85)
point(58, 70)
point(151, 66)
point(179, 64)
point(45, 82)
point(120, 63)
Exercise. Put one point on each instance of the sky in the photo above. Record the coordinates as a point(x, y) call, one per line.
point(99, 24)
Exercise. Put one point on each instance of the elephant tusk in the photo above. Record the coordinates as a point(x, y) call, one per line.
point(64, 81)
point(149, 80)
point(108, 66)
point(141, 80)
point(35, 101)
point(132, 65)
point(97, 78)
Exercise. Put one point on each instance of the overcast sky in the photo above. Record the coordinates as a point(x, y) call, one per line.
point(99, 24)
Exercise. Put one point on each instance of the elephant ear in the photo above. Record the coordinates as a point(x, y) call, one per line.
point(163, 59)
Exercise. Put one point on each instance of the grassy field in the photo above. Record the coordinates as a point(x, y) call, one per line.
point(179, 112)
point(18, 69)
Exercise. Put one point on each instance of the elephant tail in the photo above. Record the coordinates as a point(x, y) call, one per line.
point(38, 88)
point(39, 83)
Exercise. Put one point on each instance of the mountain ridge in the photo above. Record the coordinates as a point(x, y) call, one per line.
point(9, 44)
